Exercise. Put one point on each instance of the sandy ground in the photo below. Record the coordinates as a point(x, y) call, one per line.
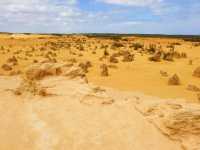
point(139, 75)
point(58, 105)
point(78, 117)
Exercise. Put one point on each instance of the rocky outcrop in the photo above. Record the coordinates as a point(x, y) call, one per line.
point(174, 80)
point(178, 121)
point(196, 72)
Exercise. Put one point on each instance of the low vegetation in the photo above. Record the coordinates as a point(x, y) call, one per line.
point(107, 54)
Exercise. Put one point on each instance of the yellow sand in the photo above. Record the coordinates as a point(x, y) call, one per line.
point(139, 75)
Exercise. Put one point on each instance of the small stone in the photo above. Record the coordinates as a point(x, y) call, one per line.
point(163, 73)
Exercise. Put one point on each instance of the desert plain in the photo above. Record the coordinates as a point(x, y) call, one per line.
point(83, 92)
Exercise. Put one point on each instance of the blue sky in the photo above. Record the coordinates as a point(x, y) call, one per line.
point(114, 16)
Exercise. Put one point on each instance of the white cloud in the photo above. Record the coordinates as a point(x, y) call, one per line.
point(140, 3)
point(67, 16)
point(37, 12)
point(47, 16)
point(157, 6)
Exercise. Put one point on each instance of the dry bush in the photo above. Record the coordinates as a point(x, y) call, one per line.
point(156, 57)
point(98, 90)
point(102, 58)
point(112, 66)
point(37, 72)
point(196, 44)
point(35, 61)
point(15, 72)
point(183, 55)
point(118, 54)
point(2, 48)
point(137, 46)
point(128, 57)
point(80, 55)
point(48, 60)
point(72, 60)
point(93, 52)
point(116, 45)
point(113, 59)
point(176, 43)
point(73, 53)
point(152, 48)
point(53, 60)
point(103, 46)
point(168, 56)
point(171, 46)
point(85, 66)
point(12, 60)
point(174, 80)
point(81, 48)
point(179, 55)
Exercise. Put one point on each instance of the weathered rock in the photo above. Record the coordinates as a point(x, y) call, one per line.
point(174, 80)
point(32, 87)
point(196, 72)
point(193, 88)
point(179, 121)
point(168, 56)
point(190, 62)
point(6, 67)
point(41, 70)
point(128, 57)
point(106, 53)
point(104, 70)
